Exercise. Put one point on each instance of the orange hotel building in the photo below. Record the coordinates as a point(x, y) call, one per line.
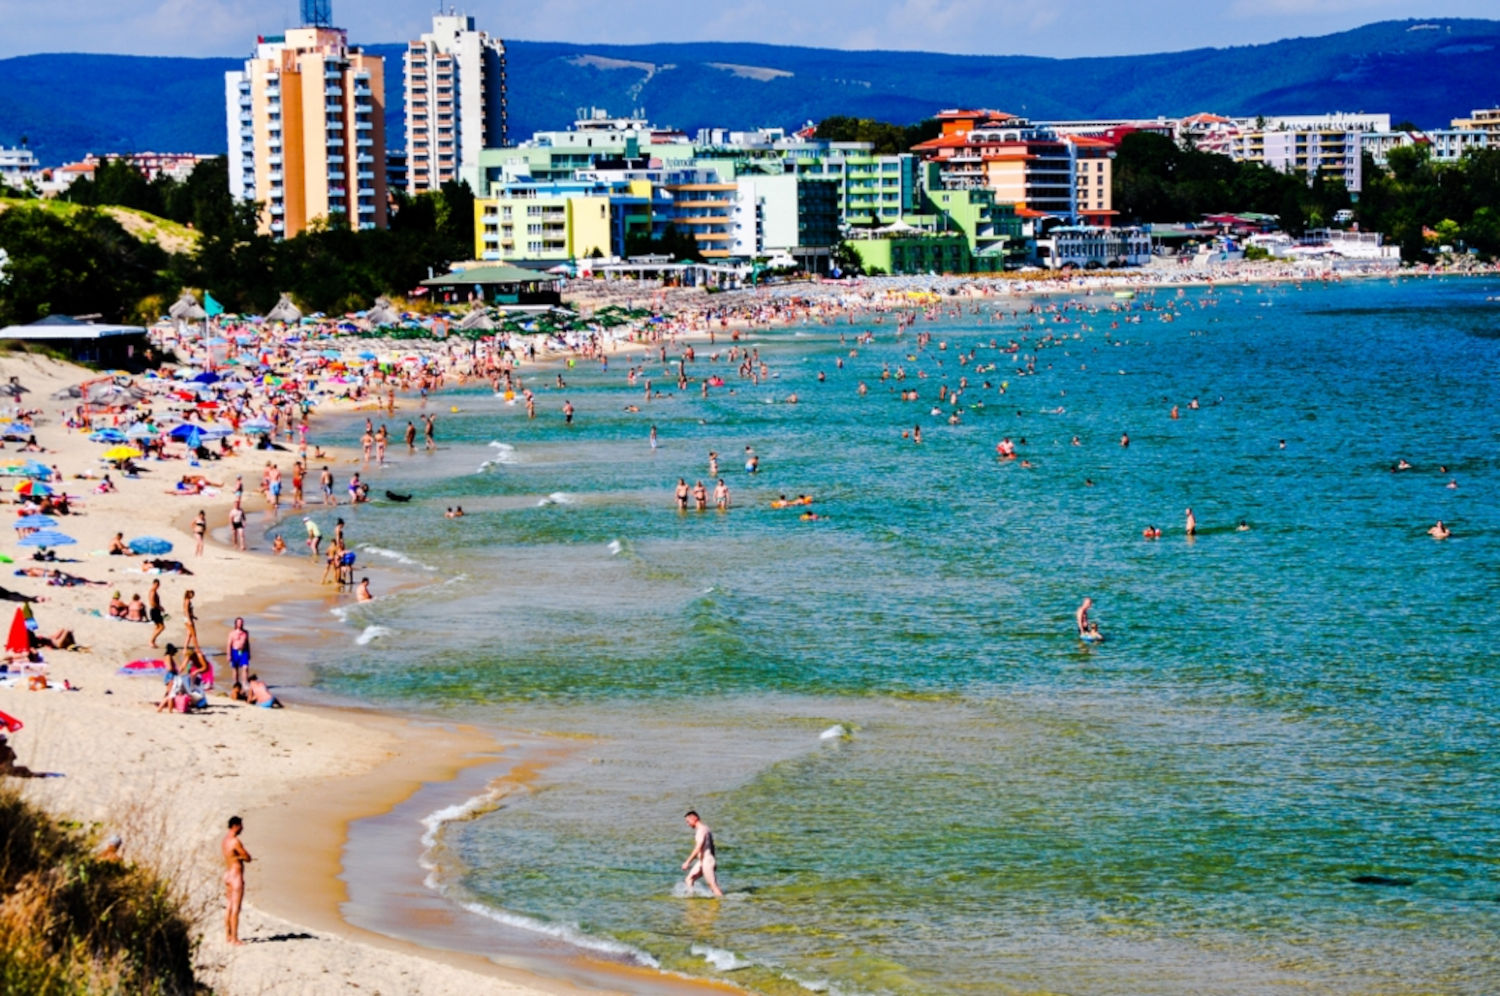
point(1036, 169)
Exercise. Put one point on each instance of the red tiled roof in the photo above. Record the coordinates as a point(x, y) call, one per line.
point(944, 142)
point(985, 115)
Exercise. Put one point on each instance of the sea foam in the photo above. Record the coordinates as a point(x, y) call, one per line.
point(724, 961)
point(396, 555)
point(478, 805)
point(371, 634)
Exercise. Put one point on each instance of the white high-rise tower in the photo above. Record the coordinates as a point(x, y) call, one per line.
point(455, 102)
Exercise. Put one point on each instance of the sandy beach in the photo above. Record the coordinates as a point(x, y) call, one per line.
point(166, 783)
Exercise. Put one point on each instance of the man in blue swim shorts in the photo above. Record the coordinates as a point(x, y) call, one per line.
point(238, 647)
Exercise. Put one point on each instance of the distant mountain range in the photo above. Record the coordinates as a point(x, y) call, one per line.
point(1423, 71)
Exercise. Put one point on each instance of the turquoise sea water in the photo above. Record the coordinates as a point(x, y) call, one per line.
point(1182, 809)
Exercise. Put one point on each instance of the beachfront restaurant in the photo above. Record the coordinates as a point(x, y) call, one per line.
point(94, 344)
point(497, 284)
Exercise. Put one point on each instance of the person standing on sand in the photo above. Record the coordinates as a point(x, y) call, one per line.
point(238, 649)
point(200, 527)
point(702, 861)
point(190, 621)
point(237, 524)
point(235, 859)
point(157, 615)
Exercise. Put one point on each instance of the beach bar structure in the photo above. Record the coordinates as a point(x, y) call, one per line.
point(99, 345)
point(497, 284)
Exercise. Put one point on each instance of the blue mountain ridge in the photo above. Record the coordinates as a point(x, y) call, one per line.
point(67, 105)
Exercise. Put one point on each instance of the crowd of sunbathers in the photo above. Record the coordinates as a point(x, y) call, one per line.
point(186, 684)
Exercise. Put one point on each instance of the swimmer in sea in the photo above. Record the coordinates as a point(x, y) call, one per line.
point(1191, 525)
point(1082, 616)
point(1440, 531)
point(1243, 527)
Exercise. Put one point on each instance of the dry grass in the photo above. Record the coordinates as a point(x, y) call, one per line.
point(73, 922)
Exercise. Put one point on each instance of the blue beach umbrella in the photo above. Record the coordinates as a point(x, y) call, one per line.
point(152, 546)
point(34, 468)
point(141, 430)
point(183, 430)
point(35, 522)
point(107, 436)
point(256, 426)
point(47, 537)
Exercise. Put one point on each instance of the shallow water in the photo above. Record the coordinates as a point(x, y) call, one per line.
point(1181, 809)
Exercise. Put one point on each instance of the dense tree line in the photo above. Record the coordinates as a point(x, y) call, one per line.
point(1420, 204)
point(1157, 180)
point(888, 139)
point(1416, 203)
point(85, 263)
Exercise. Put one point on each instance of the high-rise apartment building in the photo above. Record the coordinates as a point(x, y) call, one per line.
point(455, 102)
point(306, 123)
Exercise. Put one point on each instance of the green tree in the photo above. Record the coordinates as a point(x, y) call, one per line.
point(83, 264)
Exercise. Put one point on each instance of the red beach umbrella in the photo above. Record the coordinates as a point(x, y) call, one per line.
point(11, 723)
point(19, 640)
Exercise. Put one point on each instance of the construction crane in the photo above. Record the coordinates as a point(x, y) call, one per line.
point(317, 13)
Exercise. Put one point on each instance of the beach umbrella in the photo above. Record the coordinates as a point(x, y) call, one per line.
point(47, 537)
point(35, 468)
point(18, 641)
point(121, 453)
point(207, 376)
point(11, 723)
point(35, 522)
point(213, 431)
point(150, 546)
point(141, 430)
point(256, 425)
point(107, 436)
point(30, 487)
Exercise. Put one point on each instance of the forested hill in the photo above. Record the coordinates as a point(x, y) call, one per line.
point(1423, 71)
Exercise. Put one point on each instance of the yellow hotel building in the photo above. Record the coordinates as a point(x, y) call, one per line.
point(306, 123)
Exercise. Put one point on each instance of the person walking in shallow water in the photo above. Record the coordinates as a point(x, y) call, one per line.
point(701, 863)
